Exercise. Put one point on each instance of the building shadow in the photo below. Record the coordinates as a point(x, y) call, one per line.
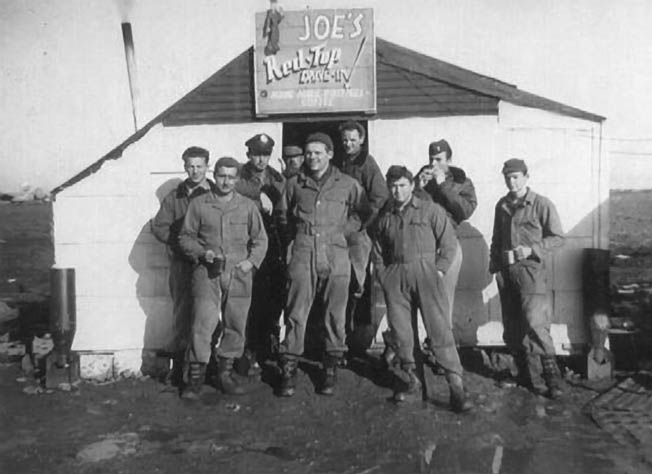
point(150, 260)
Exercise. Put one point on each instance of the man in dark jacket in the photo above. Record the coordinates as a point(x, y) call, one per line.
point(450, 187)
point(165, 227)
point(366, 306)
point(264, 185)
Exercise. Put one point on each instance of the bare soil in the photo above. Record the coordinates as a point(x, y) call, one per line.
point(142, 426)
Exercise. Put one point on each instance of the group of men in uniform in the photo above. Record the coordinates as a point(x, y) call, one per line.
point(332, 235)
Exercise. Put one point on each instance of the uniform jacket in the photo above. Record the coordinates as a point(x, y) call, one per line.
point(533, 223)
point(456, 195)
point(421, 231)
point(318, 218)
point(234, 229)
point(167, 223)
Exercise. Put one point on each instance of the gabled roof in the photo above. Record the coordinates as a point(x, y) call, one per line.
point(408, 83)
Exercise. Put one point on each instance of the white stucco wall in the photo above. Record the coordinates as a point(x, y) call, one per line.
point(101, 224)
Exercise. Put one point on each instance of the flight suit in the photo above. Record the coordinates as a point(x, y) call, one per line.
point(235, 230)
point(318, 216)
point(413, 244)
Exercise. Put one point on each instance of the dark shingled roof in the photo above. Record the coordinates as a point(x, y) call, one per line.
point(409, 84)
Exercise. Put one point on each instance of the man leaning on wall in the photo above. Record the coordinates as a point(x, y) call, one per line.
point(166, 226)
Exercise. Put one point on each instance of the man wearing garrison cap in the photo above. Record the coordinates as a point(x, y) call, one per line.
point(320, 208)
point(224, 235)
point(526, 230)
point(450, 187)
point(264, 185)
point(165, 227)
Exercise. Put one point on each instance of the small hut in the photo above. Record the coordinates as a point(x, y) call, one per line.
point(101, 215)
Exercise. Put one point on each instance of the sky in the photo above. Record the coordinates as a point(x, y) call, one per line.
point(64, 92)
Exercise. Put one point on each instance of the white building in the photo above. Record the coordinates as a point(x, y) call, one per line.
point(101, 215)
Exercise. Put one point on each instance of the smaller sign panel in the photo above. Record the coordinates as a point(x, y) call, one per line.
point(315, 61)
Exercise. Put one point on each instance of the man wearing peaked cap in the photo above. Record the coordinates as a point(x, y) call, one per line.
point(260, 144)
point(526, 230)
point(264, 185)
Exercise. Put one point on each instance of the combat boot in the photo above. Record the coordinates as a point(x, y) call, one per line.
point(409, 390)
point(227, 382)
point(329, 375)
point(458, 400)
point(196, 376)
point(551, 376)
point(288, 368)
point(535, 381)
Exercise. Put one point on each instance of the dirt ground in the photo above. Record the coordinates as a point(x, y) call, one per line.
point(141, 425)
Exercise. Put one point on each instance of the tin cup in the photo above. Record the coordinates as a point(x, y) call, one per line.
point(216, 267)
point(509, 257)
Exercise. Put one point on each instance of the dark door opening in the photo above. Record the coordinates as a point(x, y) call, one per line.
point(295, 133)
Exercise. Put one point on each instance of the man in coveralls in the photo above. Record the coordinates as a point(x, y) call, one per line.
point(263, 184)
point(166, 226)
point(321, 205)
point(526, 229)
point(223, 233)
point(415, 245)
point(365, 297)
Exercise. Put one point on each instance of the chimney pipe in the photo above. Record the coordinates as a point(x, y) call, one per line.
point(128, 40)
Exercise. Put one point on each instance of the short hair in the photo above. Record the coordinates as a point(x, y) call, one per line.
point(227, 162)
point(396, 172)
point(352, 125)
point(195, 152)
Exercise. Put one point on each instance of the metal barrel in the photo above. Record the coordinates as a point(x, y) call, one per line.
point(63, 314)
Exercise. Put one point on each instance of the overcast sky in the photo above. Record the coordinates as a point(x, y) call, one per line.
point(65, 97)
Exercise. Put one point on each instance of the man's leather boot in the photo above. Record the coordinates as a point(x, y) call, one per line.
point(226, 379)
point(410, 389)
point(551, 376)
point(329, 379)
point(196, 376)
point(458, 401)
point(288, 368)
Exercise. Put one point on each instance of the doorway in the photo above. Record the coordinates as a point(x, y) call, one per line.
point(295, 133)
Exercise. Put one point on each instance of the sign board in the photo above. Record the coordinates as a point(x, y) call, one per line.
point(315, 61)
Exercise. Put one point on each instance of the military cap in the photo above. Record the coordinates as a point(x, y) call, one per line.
point(260, 144)
point(514, 165)
point(440, 145)
point(291, 151)
point(321, 138)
